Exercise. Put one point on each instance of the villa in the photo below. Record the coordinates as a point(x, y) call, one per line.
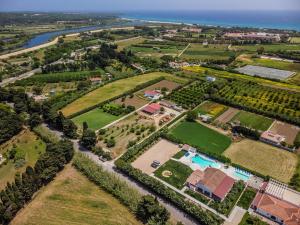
point(271, 138)
point(211, 182)
point(153, 95)
point(152, 109)
point(278, 203)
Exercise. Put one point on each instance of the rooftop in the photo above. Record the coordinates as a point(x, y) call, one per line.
point(277, 138)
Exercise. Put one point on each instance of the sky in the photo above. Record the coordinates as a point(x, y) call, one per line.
point(134, 5)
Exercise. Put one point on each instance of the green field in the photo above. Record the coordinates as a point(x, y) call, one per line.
point(205, 139)
point(247, 198)
point(111, 90)
point(252, 120)
point(28, 146)
point(178, 176)
point(95, 119)
point(212, 52)
point(295, 40)
point(267, 47)
point(72, 199)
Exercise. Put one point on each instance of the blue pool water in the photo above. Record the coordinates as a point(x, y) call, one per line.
point(242, 175)
point(204, 162)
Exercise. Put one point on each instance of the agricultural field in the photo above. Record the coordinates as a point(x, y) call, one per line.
point(295, 40)
point(151, 48)
point(95, 119)
point(190, 96)
point(203, 71)
point(261, 157)
point(206, 53)
point(85, 204)
point(125, 43)
point(267, 47)
point(204, 138)
point(59, 77)
point(212, 108)
point(261, 99)
point(252, 120)
point(109, 91)
point(174, 173)
point(28, 148)
point(227, 115)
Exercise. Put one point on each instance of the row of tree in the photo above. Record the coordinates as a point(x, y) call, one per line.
point(18, 193)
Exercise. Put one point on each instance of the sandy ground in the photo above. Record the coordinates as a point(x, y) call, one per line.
point(289, 131)
point(263, 158)
point(227, 115)
point(161, 151)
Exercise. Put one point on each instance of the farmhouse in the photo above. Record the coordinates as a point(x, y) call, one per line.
point(153, 95)
point(95, 80)
point(152, 109)
point(278, 203)
point(272, 138)
point(211, 182)
point(210, 79)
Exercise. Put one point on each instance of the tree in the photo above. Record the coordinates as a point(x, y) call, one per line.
point(69, 128)
point(88, 139)
point(111, 143)
point(37, 90)
point(149, 210)
point(34, 120)
point(191, 116)
point(260, 50)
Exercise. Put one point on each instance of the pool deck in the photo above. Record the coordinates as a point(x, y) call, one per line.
point(229, 170)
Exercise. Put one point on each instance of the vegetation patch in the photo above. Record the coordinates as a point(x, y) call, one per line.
point(198, 196)
point(205, 139)
point(180, 173)
point(261, 157)
point(211, 108)
point(247, 198)
point(179, 154)
point(252, 120)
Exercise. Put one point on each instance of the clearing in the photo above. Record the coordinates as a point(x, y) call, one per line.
point(85, 204)
point(227, 115)
point(28, 147)
point(96, 119)
point(252, 120)
point(205, 139)
point(174, 173)
point(109, 91)
point(162, 151)
point(263, 158)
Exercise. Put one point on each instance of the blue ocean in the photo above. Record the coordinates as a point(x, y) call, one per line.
point(258, 19)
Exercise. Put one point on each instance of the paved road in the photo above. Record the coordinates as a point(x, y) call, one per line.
point(20, 77)
point(177, 214)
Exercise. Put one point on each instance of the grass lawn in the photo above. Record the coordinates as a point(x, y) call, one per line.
point(180, 173)
point(72, 199)
point(251, 220)
point(27, 145)
point(178, 155)
point(252, 120)
point(95, 119)
point(211, 108)
point(247, 198)
point(127, 42)
point(109, 91)
point(205, 139)
point(263, 158)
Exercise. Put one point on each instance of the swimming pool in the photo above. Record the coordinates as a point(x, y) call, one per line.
point(204, 162)
point(242, 175)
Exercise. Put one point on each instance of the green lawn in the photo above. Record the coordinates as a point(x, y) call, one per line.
point(180, 173)
point(252, 120)
point(28, 146)
point(212, 108)
point(178, 155)
point(205, 139)
point(95, 119)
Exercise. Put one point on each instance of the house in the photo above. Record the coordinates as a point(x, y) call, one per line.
point(152, 108)
point(272, 138)
point(210, 79)
point(277, 202)
point(192, 29)
point(153, 95)
point(96, 80)
point(212, 182)
point(205, 118)
point(275, 209)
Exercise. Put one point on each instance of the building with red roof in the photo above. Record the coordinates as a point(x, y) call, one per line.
point(152, 108)
point(211, 182)
point(152, 94)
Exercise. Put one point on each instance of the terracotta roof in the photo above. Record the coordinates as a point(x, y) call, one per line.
point(95, 79)
point(152, 108)
point(289, 213)
point(225, 186)
point(186, 147)
point(195, 177)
